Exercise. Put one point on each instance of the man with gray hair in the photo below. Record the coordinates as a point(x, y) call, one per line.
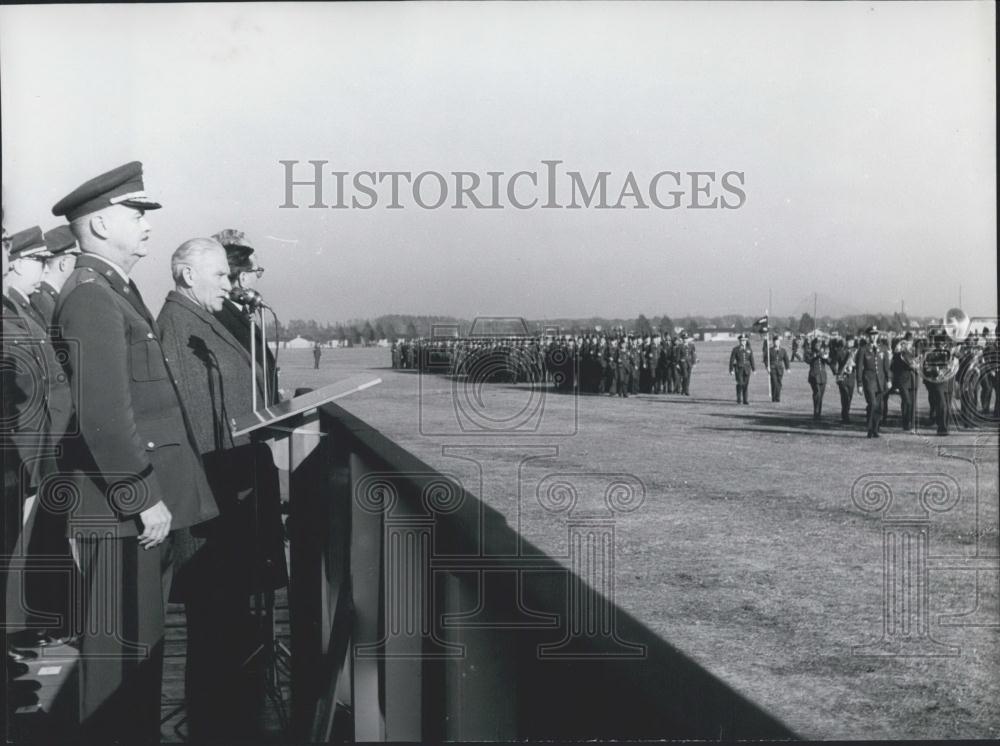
point(222, 562)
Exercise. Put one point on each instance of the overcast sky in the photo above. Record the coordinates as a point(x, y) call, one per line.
point(865, 133)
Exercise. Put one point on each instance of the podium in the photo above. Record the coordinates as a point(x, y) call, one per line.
point(277, 418)
point(290, 429)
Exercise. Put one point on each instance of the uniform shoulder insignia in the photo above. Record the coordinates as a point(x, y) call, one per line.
point(85, 280)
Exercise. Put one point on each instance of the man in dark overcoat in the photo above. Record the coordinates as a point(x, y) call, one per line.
point(222, 562)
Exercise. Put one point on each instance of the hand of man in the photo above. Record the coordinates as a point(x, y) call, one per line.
point(155, 525)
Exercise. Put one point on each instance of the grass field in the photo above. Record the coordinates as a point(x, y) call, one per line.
point(748, 551)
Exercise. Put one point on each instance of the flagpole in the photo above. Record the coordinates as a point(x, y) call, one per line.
point(767, 353)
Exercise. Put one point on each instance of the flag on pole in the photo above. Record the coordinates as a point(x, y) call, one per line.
point(760, 326)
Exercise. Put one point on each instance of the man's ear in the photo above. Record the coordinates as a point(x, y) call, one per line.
point(98, 226)
point(187, 275)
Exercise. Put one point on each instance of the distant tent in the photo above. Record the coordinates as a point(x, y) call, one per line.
point(299, 343)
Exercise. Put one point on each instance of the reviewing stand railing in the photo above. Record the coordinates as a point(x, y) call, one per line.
point(414, 617)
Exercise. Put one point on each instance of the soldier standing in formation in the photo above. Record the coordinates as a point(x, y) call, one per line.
point(741, 367)
point(776, 362)
point(686, 362)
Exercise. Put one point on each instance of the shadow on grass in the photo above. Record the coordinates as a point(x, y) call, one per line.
point(767, 422)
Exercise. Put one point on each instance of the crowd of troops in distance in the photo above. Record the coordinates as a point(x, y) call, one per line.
point(616, 365)
point(959, 376)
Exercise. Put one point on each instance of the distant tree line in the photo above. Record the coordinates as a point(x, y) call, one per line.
point(396, 326)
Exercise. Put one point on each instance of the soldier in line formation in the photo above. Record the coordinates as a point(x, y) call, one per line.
point(627, 364)
point(591, 363)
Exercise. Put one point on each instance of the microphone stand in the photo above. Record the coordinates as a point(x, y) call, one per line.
point(268, 649)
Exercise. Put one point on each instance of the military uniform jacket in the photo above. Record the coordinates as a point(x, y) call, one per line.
point(903, 370)
point(817, 366)
point(777, 359)
point(741, 359)
point(39, 399)
point(842, 363)
point(44, 302)
point(870, 370)
point(134, 445)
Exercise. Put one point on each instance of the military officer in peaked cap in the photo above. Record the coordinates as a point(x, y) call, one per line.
point(41, 409)
point(134, 465)
point(872, 376)
point(63, 250)
point(741, 366)
point(234, 314)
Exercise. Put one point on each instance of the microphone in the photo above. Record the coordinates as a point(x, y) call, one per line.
point(248, 297)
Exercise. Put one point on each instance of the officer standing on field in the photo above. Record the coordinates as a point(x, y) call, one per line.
point(776, 362)
point(741, 367)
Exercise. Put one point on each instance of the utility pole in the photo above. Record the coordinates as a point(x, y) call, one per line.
point(959, 296)
point(815, 317)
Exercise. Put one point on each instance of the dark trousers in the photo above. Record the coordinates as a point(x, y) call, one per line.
point(685, 379)
point(873, 409)
point(671, 379)
point(846, 388)
point(622, 381)
point(221, 694)
point(121, 650)
point(906, 396)
point(818, 389)
point(48, 591)
point(776, 375)
point(940, 397)
point(742, 384)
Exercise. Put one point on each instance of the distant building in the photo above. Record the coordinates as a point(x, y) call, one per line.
point(717, 334)
point(299, 343)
